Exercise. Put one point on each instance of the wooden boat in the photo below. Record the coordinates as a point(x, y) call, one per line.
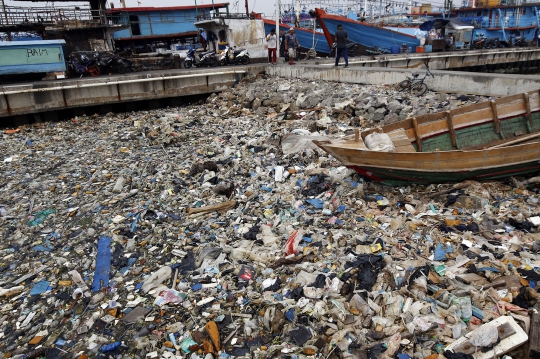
point(485, 141)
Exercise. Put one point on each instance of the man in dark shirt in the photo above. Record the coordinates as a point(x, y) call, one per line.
point(291, 43)
point(341, 39)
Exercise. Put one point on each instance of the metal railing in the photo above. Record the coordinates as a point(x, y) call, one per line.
point(56, 16)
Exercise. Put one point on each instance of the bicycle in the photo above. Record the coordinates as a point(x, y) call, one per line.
point(415, 85)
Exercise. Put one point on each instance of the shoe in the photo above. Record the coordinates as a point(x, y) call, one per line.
point(346, 66)
point(292, 63)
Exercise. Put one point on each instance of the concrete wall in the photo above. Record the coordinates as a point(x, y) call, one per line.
point(61, 95)
point(444, 81)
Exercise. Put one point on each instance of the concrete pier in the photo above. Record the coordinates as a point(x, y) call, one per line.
point(51, 99)
point(22, 99)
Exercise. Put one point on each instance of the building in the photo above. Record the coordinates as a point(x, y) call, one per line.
point(160, 27)
point(82, 27)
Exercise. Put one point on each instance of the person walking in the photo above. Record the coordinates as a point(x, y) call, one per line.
point(272, 47)
point(291, 43)
point(341, 39)
point(281, 43)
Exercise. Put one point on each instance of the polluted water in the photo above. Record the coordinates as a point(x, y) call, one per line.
point(218, 230)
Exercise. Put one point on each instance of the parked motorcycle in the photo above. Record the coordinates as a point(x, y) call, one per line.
point(231, 56)
point(114, 63)
point(81, 64)
point(193, 58)
point(492, 43)
point(478, 43)
point(520, 42)
point(506, 43)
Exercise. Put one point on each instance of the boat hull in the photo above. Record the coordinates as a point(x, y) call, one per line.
point(363, 33)
point(486, 141)
point(305, 36)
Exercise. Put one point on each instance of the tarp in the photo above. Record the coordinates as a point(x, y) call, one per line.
point(450, 23)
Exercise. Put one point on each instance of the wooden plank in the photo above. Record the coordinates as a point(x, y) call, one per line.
point(445, 161)
point(534, 336)
point(519, 140)
point(496, 121)
point(401, 141)
point(417, 135)
point(451, 128)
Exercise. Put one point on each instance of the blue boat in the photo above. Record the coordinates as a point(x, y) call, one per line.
point(364, 34)
point(500, 18)
point(305, 36)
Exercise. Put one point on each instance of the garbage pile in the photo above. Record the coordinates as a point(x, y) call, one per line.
point(216, 230)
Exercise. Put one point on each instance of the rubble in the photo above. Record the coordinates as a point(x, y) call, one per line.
point(216, 230)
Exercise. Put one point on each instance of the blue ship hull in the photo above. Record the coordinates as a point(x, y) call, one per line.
point(305, 36)
point(364, 34)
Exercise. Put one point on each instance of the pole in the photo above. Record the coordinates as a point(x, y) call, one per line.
point(247, 9)
point(7, 22)
point(277, 26)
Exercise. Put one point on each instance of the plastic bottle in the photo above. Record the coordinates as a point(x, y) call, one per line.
point(465, 307)
point(110, 347)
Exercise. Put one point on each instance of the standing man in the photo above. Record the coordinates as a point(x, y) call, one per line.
point(291, 43)
point(281, 43)
point(341, 39)
point(272, 47)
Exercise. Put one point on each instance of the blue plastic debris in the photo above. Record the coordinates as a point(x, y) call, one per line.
point(441, 250)
point(316, 202)
point(103, 264)
point(290, 314)
point(488, 269)
point(196, 286)
point(341, 208)
point(39, 287)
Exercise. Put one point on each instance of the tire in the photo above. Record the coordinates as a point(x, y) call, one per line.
point(244, 60)
point(418, 89)
point(188, 64)
point(214, 62)
point(222, 62)
point(93, 70)
point(121, 69)
point(403, 85)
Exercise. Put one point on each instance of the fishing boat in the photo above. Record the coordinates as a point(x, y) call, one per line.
point(306, 37)
point(485, 141)
point(363, 33)
point(493, 18)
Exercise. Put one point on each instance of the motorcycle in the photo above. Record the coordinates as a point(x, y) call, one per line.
point(478, 43)
point(207, 58)
point(492, 43)
point(520, 42)
point(114, 63)
point(234, 56)
point(81, 64)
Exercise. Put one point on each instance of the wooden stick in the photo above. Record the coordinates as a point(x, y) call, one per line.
point(356, 134)
point(451, 128)
point(496, 121)
point(417, 134)
point(519, 140)
point(215, 207)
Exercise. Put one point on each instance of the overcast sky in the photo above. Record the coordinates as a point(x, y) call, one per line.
point(263, 6)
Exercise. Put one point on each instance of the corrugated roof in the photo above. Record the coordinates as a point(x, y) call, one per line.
point(167, 8)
